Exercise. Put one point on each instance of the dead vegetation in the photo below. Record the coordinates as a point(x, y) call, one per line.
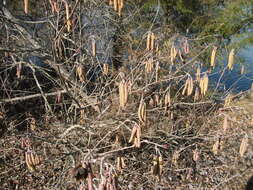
point(146, 120)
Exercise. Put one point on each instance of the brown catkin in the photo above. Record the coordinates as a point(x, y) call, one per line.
point(231, 59)
point(213, 56)
point(26, 6)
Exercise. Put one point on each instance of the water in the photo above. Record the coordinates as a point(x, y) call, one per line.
point(224, 80)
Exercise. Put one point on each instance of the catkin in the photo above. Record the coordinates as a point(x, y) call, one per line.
point(242, 70)
point(149, 65)
point(148, 41)
point(68, 17)
point(115, 4)
point(93, 43)
point(203, 84)
point(142, 112)
point(26, 6)
point(173, 54)
point(80, 73)
point(152, 41)
point(225, 124)
point(105, 69)
point(188, 88)
point(213, 56)
point(198, 74)
point(243, 146)
point(123, 93)
point(231, 59)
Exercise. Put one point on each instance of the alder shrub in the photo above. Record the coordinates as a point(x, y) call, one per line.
point(96, 95)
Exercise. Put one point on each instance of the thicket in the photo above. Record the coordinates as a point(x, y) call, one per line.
point(99, 95)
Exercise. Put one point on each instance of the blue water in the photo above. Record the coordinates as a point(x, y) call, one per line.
point(224, 80)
